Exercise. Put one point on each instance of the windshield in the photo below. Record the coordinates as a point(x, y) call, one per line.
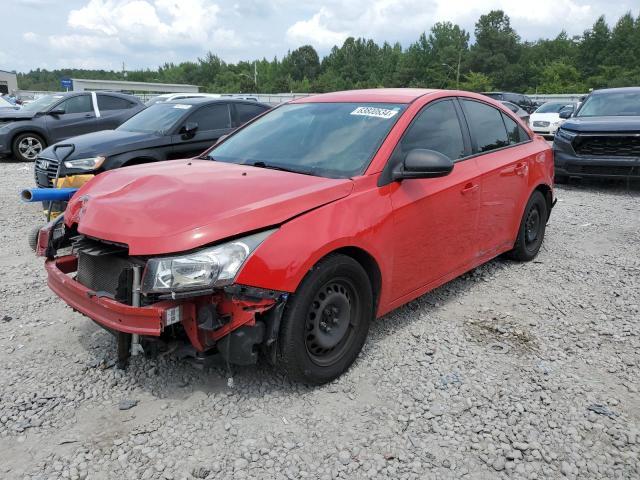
point(159, 118)
point(611, 104)
point(336, 140)
point(553, 107)
point(42, 103)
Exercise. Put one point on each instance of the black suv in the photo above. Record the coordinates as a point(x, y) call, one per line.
point(164, 131)
point(26, 132)
point(522, 101)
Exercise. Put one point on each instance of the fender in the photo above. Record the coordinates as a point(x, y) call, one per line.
point(284, 258)
point(18, 129)
point(118, 161)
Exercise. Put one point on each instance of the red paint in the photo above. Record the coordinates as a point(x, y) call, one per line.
point(420, 233)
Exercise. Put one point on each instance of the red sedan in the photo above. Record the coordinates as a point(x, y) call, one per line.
point(288, 237)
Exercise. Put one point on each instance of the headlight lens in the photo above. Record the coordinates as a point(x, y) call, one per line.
point(211, 267)
point(566, 134)
point(92, 163)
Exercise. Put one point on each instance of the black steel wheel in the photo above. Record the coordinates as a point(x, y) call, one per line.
point(326, 321)
point(532, 229)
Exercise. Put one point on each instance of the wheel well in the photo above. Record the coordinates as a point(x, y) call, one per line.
point(548, 196)
point(32, 132)
point(370, 266)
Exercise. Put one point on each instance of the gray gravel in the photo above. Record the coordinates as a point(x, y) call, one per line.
point(512, 371)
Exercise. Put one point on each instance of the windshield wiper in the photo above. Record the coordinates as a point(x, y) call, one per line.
point(270, 166)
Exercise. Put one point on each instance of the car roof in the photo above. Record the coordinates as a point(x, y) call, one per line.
point(373, 95)
point(205, 100)
point(618, 90)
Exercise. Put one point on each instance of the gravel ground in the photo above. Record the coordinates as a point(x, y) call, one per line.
point(512, 371)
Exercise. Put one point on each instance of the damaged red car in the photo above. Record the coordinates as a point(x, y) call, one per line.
point(287, 238)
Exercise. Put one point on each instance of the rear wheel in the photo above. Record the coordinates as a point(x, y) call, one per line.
point(532, 228)
point(27, 146)
point(326, 321)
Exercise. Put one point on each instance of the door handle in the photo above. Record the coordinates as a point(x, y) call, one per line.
point(88, 115)
point(469, 188)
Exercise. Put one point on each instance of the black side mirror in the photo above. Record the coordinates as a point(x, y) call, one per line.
point(423, 163)
point(57, 111)
point(566, 113)
point(189, 130)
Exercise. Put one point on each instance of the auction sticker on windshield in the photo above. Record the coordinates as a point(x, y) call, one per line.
point(375, 112)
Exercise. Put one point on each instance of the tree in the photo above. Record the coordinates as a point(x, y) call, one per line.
point(476, 82)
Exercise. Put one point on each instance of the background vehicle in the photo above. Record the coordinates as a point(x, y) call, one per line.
point(520, 112)
point(304, 225)
point(169, 97)
point(52, 118)
point(7, 105)
point(164, 131)
point(546, 119)
point(602, 139)
point(519, 99)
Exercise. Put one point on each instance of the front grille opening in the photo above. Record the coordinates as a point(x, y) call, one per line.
point(105, 268)
point(609, 146)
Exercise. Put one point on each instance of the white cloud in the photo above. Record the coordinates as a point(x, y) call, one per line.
point(158, 23)
point(316, 30)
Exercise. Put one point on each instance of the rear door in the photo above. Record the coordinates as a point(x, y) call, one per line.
point(78, 118)
point(499, 143)
point(113, 111)
point(213, 121)
point(434, 218)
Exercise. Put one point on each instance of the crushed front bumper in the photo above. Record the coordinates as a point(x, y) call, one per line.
point(149, 321)
point(572, 165)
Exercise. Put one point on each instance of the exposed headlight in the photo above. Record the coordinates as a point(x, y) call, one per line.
point(211, 267)
point(566, 134)
point(92, 163)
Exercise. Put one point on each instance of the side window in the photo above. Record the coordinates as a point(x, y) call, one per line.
point(245, 112)
point(434, 128)
point(212, 117)
point(515, 132)
point(108, 102)
point(78, 104)
point(486, 125)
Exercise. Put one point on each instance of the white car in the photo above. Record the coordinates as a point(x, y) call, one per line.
point(546, 119)
point(168, 97)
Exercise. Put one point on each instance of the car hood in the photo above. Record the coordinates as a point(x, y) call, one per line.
point(603, 124)
point(107, 142)
point(8, 114)
point(545, 117)
point(180, 205)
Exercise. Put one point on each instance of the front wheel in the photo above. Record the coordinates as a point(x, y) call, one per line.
point(326, 321)
point(532, 228)
point(27, 146)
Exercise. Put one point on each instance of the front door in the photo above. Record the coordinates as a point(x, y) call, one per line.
point(78, 118)
point(435, 219)
point(213, 122)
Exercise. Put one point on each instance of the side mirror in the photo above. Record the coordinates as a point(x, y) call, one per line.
point(189, 130)
point(57, 111)
point(423, 163)
point(566, 113)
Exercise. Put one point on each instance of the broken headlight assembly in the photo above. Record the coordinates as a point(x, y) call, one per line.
point(203, 269)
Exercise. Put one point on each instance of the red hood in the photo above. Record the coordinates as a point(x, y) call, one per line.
point(183, 204)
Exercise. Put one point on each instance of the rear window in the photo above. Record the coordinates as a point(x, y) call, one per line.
point(486, 125)
point(108, 102)
point(245, 112)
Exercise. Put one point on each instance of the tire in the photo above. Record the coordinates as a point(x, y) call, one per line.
point(33, 237)
point(325, 322)
point(27, 146)
point(532, 228)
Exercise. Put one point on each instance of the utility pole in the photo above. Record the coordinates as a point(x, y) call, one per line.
point(124, 72)
point(458, 72)
point(255, 74)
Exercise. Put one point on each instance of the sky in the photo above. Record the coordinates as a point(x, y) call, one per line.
point(102, 34)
